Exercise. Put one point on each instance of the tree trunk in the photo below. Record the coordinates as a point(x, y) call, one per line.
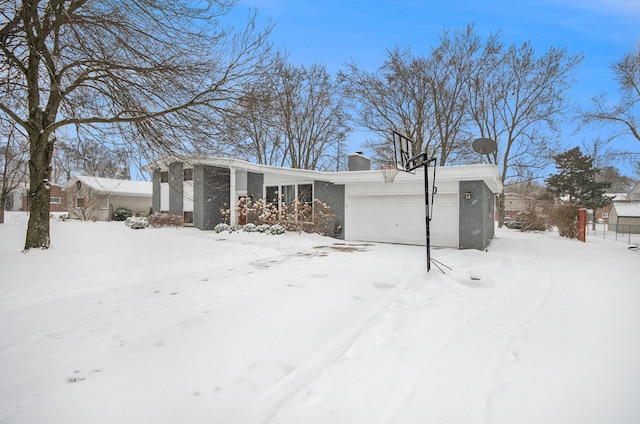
point(38, 235)
point(500, 208)
point(3, 199)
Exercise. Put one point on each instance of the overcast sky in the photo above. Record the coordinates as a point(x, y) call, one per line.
point(333, 32)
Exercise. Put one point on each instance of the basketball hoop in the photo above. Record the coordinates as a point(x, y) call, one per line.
point(389, 173)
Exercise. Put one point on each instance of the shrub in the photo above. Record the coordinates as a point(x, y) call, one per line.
point(277, 229)
point(121, 214)
point(235, 228)
point(263, 228)
point(250, 228)
point(565, 217)
point(158, 220)
point(136, 222)
point(314, 217)
point(221, 228)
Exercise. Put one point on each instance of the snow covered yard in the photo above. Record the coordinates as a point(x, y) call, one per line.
point(179, 325)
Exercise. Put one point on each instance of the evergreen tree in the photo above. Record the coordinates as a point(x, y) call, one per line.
point(576, 180)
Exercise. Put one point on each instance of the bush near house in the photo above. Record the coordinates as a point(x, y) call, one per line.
point(136, 222)
point(121, 214)
point(158, 220)
point(565, 217)
point(314, 217)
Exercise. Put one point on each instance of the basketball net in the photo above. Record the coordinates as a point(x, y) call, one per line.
point(389, 173)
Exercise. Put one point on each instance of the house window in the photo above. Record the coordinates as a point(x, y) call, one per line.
point(164, 177)
point(187, 174)
point(55, 200)
point(305, 194)
point(188, 217)
point(288, 194)
point(282, 196)
point(605, 215)
point(79, 202)
point(272, 195)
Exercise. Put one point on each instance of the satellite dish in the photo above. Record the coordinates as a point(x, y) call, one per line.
point(484, 146)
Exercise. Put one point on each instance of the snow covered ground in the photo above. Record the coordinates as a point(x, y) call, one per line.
point(113, 325)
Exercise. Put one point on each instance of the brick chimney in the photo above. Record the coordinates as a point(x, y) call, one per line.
point(357, 162)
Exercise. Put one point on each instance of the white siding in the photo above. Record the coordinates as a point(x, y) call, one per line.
point(164, 197)
point(187, 194)
point(395, 213)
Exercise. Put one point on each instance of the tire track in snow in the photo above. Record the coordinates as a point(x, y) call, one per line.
point(477, 348)
point(267, 405)
point(402, 358)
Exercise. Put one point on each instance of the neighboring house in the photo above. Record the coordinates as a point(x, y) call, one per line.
point(94, 198)
point(625, 218)
point(366, 208)
point(514, 204)
point(602, 214)
point(18, 199)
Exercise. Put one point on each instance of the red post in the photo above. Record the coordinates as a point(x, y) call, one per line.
point(582, 225)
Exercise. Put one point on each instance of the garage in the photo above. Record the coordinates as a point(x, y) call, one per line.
point(399, 217)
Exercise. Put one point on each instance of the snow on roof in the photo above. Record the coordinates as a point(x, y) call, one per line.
point(616, 197)
point(627, 209)
point(113, 186)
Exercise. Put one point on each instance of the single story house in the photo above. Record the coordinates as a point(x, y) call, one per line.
point(95, 198)
point(365, 207)
point(18, 199)
point(625, 218)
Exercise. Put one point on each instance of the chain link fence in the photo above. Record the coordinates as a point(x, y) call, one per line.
point(626, 233)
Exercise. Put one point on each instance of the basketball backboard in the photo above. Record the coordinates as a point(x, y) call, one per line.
point(403, 151)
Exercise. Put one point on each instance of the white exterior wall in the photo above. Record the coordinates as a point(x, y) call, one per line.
point(164, 197)
point(395, 212)
point(187, 194)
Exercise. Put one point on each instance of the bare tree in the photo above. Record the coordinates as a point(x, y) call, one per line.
point(393, 98)
point(296, 117)
point(424, 98)
point(625, 114)
point(157, 71)
point(251, 132)
point(517, 99)
point(13, 161)
point(311, 113)
point(89, 158)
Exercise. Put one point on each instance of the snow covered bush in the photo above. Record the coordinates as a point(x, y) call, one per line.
point(315, 217)
point(235, 228)
point(136, 222)
point(221, 228)
point(249, 228)
point(263, 228)
point(158, 220)
point(277, 229)
point(121, 214)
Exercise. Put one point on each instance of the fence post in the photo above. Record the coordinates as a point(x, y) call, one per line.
point(582, 225)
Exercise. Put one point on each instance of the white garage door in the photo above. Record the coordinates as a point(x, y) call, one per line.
point(401, 219)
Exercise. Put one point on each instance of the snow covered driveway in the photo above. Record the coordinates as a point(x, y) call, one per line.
point(179, 325)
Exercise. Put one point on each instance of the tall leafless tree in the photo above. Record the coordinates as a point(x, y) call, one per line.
point(518, 99)
point(157, 70)
point(311, 113)
point(395, 97)
point(296, 117)
point(624, 115)
point(424, 98)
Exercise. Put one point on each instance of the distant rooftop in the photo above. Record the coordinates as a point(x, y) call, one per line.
point(113, 186)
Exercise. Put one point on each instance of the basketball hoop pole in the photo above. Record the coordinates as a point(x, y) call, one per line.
point(418, 161)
